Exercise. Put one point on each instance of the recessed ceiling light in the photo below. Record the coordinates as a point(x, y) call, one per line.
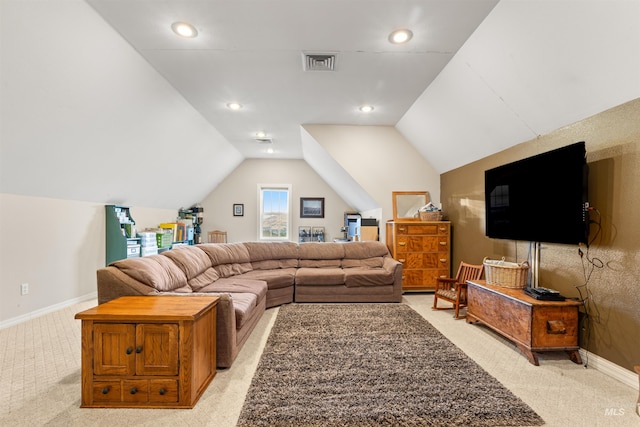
point(184, 29)
point(270, 151)
point(366, 108)
point(261, 134)
point(400, 36)
point(234, 106)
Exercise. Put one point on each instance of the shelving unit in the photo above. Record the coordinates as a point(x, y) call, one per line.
point(121, 240)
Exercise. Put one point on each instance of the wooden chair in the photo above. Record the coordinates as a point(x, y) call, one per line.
point(217, 236)
point(454, 290)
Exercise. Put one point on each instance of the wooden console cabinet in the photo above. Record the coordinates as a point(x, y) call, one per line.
point(148, 351)
point(423, 248)
point(533, 325)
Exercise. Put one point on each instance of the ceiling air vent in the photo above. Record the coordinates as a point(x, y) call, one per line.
point(264, 140)
point(319, 62)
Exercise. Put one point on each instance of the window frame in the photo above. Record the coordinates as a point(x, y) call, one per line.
point(274, 187)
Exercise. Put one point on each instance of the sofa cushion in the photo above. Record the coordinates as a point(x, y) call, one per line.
point(195, 264)
point(156, 271)
point(276, 279)
point(245, 293)
point(319, 276)
point(365, 276)
point(321, 255)
point(227, 259)
point(321, 263)
point(272, 255)
point(373, 262)
point(368, 249)
point(274, 264)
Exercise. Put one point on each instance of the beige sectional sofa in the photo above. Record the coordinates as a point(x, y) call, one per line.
point(252, 276)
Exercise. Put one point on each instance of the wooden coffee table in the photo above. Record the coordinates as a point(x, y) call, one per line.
point(148, 351)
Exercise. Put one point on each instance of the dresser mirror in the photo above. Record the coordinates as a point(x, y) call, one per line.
point(407, 203)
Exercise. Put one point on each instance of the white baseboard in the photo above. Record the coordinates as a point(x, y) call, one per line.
point(610, 369)
point(47, 310)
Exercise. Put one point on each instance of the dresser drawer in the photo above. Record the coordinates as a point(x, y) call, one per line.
point(413, 260)
point(422, 278)
point(163, 391)
point(135, 390)
point(107, 391)
point(443, 229)
point(418, 229)
point(421, 244)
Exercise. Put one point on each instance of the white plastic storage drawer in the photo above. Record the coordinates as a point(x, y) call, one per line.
point(133, 251)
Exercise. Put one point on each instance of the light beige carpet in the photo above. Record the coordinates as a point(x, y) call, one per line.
point(40, 378)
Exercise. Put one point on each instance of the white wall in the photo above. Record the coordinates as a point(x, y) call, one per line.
point(55, 246)
point(380, 160)
point(242, 187)
point(85, 117)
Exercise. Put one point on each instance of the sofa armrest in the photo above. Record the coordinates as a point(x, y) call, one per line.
point(226, 339)
point(391, 264)
point(395, 267)
point(113, 283)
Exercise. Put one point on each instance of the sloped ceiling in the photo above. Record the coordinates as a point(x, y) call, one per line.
point(95, 96)
point(530, 68)
point(251, 52)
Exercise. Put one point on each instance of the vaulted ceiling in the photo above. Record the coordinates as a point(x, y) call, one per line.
point(253, 52)
point(478, 76)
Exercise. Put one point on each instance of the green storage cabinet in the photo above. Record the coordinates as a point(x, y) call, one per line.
point(121, 240)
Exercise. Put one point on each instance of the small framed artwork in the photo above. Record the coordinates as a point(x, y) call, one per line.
point(311, 207)
point(304, 234)
point(317, 234)
point(238, 209)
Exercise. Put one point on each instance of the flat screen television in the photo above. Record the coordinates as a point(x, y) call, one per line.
point(540, 199)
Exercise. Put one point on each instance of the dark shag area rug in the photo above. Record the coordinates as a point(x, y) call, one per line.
point(371, 365)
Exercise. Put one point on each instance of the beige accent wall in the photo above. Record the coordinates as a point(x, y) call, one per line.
point(55, 246)
point(612, 329)
point(241, 186)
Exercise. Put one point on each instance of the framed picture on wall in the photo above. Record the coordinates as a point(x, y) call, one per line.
point(311, 207)
point(238, 209)
point(317, 234)
point(304, 234)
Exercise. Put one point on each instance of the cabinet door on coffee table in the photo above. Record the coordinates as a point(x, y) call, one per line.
point(157, 349)
point(114, 349)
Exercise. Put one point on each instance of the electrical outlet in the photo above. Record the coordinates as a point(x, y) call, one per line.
point(24, 289)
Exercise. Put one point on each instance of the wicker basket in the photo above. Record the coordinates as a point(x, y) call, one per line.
point(506, 274)
point(430, 216)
